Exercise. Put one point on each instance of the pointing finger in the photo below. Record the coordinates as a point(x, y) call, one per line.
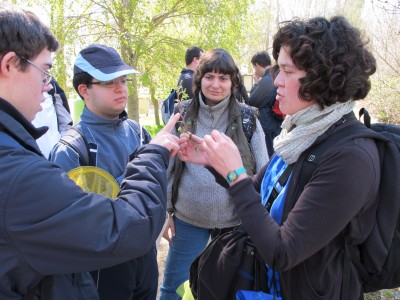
point(171, 123)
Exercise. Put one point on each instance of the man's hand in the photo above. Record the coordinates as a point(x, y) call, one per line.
point(166, 139)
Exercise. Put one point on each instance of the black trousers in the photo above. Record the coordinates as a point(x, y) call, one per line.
point(136, 279)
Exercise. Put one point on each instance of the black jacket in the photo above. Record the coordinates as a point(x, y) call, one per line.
point(262, 96)
point(186, 83)
point(338, 201)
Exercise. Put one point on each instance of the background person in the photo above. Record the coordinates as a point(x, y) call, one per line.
point(321, 72)
point(200, 208)
point(185, 81)
point(263, 95)
point(55, 114)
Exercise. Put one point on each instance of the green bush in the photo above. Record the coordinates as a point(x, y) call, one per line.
point(154, 129)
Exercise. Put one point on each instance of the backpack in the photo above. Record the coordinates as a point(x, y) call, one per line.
point(64, 119)
point(167, 106)
point(229, 263)
point(377, 259)
point(87, 152)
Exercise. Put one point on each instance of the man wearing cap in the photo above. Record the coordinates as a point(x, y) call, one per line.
point(51, 231)
point(100, 79)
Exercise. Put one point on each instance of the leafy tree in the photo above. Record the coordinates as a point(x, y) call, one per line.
point(152, 36)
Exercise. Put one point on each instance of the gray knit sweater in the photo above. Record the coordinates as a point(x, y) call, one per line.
point(202, 202)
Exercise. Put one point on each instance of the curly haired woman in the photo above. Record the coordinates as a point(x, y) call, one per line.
point(323, 66)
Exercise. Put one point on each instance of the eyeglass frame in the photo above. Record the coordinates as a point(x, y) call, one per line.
point(114, 82)
point(48, 77)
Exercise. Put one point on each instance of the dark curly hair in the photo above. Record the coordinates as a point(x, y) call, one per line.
point(334, 56)
point(216, 60)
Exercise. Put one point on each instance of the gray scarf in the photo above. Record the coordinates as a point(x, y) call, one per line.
point(300, 130)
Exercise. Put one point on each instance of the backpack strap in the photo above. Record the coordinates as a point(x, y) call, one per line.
point(181, 108)
point(144, 137)
point(87, 152)
point(248, 120)
point(282, 182)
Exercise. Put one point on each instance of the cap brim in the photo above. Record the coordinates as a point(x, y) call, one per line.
point(103, 74)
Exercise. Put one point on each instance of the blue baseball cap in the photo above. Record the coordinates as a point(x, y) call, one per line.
point(101, 62)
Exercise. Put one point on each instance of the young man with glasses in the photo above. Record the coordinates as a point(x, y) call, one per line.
point(51, 230)
point(100, 80)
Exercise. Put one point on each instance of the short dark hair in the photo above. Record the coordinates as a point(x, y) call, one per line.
point(82, 78)
point(220, 61)
point(261, 58)
point(191, 53)
point(24, 33)
point(334, 56)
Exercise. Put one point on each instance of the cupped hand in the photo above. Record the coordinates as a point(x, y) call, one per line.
point(191, 150)
point(166, 139)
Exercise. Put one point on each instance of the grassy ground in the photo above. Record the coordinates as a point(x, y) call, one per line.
point(384, 295)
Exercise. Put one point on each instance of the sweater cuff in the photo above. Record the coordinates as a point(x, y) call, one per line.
point(241, 188)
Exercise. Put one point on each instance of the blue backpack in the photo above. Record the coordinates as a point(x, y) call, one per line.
point(167, 108)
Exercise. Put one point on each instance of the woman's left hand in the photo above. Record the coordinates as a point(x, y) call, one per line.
point(190, 149)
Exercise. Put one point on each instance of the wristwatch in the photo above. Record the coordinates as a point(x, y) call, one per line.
point(232, 175)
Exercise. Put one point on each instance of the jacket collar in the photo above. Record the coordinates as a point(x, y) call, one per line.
point(267, 72)
point(19, 127)
point(94, 120)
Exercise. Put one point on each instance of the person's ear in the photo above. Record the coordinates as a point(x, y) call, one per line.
point(83, 91)
point(9, 64)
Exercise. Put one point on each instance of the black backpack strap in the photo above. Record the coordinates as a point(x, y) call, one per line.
point(87, 152)
point(275, 190)
point(181, 108)
point(367, 118)
point(248, 120)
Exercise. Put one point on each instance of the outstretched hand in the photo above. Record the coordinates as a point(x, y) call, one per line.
point(166, 139)
point(216, 150)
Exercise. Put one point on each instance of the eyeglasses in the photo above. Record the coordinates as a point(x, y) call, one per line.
point(47, 77)
point(113, 83)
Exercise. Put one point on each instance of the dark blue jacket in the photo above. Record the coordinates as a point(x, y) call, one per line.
point(50, 228)
point(263, 97)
